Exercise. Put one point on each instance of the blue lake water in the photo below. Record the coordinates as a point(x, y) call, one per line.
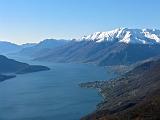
point(51, 95)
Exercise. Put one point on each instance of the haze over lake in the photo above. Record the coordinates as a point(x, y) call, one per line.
point(53, 94)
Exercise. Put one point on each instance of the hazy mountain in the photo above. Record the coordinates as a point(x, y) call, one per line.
point(26, 45)
point(10, 66)
point(42, 47)
point(134, 95)
point(119, 46)
point(8, 47)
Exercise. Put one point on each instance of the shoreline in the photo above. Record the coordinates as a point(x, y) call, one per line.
point(6, 77)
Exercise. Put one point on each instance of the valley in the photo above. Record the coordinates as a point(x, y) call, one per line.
point(122, 65)
point(79, 60)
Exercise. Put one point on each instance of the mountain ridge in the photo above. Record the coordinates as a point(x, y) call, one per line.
point(42, 47)
point(101, 53)
point(122, 46)
point(9, 47)
point(126, 35)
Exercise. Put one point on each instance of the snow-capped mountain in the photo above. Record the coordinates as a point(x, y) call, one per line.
point(121, 46)
point(126, 35)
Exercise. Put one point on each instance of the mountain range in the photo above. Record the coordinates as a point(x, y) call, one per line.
point(121, 46)
point(8, 47)
point(126, 35)
point(42, 47)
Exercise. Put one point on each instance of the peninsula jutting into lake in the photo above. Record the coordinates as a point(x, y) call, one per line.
point(9, 68)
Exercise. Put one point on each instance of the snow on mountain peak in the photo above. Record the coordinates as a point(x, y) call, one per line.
point(126, 35)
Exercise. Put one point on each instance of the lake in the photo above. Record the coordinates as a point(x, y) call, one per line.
point(51, 95)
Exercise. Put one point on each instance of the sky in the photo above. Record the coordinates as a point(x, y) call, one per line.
point(28, 21)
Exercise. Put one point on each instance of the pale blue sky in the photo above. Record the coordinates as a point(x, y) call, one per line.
point(24, 21)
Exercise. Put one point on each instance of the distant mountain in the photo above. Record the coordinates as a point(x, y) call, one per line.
point(43, 47)
point(132, 96)
point(8, 47)
point(119, 46)
point(126, 35)
point(10, 66)
point(26, 45)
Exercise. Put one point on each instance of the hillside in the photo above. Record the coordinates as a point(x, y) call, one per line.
point(121, 46)
point(42, 47)
point(10, 48)
point(134, 95)
point(10, 66)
